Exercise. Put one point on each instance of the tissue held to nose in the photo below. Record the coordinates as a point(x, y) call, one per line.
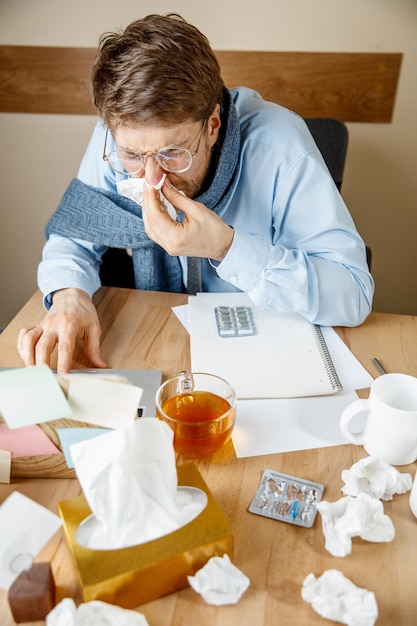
point(133, 189)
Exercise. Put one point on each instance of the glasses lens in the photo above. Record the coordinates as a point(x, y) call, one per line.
point(129, 162)
point(175, 159)
point(125, 162)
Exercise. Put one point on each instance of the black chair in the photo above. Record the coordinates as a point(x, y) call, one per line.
point(331, 137)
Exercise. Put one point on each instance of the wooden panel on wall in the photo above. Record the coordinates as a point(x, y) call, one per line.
point(37, 79)
point(354, 87)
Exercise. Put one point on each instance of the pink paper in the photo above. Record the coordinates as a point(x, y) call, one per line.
point(26, 441)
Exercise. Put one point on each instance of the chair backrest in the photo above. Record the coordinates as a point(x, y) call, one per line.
point(331, 137)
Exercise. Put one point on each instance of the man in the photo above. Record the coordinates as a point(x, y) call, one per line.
point(180, 169)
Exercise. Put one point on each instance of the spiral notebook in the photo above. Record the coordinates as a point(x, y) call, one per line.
point(285, 357)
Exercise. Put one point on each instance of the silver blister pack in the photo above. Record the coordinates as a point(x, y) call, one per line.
point(287, 498)
point(234, 321)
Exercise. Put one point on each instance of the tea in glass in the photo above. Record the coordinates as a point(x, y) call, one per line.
point(200, 409)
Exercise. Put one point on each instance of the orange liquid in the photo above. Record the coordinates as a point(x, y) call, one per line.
point(198, 431)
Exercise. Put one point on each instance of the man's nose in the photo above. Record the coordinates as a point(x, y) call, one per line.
point(153, 171)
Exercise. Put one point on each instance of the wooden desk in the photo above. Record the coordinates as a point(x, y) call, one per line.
point(139, 331)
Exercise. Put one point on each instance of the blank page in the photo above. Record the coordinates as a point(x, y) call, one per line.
point(286, 357)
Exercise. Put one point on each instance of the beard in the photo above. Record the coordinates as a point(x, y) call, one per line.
point(197, 174)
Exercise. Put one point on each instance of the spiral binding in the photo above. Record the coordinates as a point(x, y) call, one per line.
point(327, 359)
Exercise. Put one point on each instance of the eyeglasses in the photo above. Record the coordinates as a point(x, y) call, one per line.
point(171, 158)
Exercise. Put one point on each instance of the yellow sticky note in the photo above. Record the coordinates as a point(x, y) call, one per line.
point(5, 466)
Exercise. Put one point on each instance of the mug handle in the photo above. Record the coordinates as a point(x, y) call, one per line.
point(351, 411)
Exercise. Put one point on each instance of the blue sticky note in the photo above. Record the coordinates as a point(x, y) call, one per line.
point(70, 436)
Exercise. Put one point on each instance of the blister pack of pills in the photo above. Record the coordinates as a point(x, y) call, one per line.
point(287, 498)
point(234, 321)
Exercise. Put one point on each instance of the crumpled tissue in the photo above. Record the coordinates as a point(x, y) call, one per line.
point(219, 581)
point(130, 482)
point(335, 597)
point(95, 612)
point(354, 517)
point(133, 189)
point(374, 476)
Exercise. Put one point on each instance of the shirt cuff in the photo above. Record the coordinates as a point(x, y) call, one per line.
point(48, 298)
point(245, 262)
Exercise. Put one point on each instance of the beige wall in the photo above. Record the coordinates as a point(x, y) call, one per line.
point(40, 154)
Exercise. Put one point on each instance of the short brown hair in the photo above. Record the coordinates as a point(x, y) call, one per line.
point(159, 69)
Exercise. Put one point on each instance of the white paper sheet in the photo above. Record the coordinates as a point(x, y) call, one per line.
point(26, 526)
point(269, 426)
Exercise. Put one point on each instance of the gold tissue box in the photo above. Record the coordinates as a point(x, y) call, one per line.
point(132, 576)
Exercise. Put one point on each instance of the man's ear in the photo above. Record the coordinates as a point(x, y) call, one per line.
point(213, 125)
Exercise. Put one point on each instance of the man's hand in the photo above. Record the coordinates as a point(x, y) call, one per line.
point(202, 232)
point(71, 316)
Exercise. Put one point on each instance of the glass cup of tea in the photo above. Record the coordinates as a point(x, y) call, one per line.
point(201, 410)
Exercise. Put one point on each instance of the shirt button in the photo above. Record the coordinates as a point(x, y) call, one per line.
point(233, 279)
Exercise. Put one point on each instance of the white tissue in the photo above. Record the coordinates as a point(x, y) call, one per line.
point(354, 517)
point(336, 598)
point(94, 613)
point(219, 581)
point(372, 475)
point(133, 189)
point(129, 479)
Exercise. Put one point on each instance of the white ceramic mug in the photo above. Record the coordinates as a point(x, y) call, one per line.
point(390, 430)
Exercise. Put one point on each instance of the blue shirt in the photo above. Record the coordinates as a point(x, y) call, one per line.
point(295, 245)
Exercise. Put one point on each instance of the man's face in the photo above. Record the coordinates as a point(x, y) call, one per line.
point(149, 139)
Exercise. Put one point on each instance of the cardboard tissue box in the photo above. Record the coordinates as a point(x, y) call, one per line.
point(135, 575)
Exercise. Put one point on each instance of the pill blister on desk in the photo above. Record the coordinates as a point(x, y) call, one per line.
point(287, 498)
point(234, 321)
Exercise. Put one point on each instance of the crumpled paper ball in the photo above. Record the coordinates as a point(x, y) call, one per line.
point(335, 597)
point(219, 581)
point(94, 613)
point(354, 517)
point(374, 476)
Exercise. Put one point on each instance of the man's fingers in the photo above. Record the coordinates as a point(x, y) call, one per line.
point(92, 348)
point(71, 316)
point(26, 344)
point(66, 345)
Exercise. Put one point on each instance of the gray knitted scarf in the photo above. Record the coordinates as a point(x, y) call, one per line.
point(107, 218)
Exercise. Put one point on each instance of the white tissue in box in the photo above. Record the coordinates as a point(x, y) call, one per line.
point(129, 480)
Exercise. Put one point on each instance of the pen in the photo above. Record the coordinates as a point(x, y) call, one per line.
point(379, 366)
